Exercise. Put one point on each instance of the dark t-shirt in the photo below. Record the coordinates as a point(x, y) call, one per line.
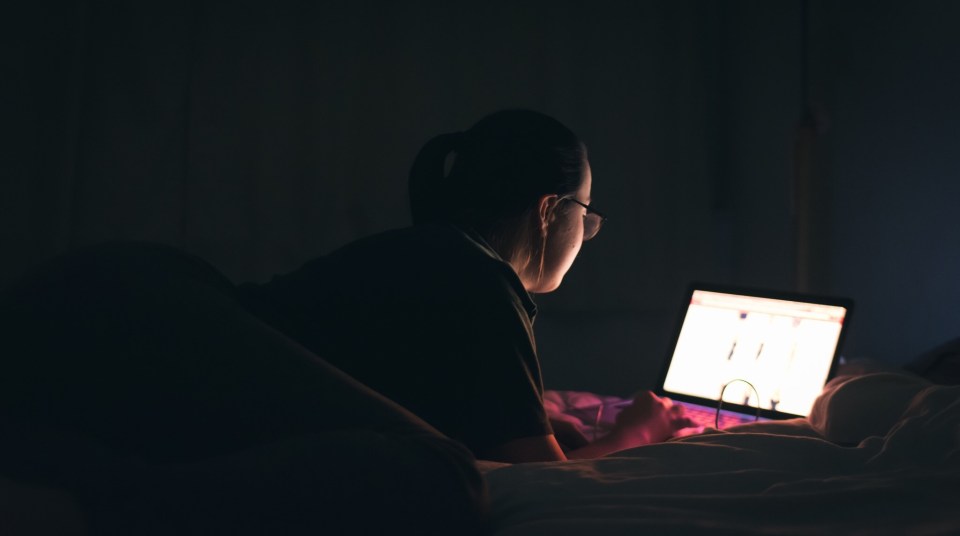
point(429, 316)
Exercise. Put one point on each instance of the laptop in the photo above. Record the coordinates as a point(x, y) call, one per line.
point(742, 355)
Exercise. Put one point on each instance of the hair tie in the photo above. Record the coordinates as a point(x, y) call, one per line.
point(455, 146)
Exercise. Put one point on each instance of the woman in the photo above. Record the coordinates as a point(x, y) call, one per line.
point(438, 317)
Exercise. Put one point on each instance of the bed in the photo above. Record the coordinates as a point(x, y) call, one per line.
point(879, 454)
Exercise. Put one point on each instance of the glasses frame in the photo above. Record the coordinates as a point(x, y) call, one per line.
point(590, 210)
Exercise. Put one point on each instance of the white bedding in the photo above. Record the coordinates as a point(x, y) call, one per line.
point(878, 455)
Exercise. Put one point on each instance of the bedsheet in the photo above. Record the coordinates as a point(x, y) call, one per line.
point(878, 455)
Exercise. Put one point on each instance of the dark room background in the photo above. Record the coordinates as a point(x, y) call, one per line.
point(261, 134)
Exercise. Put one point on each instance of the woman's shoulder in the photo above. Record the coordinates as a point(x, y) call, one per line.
point(430, 249)
point(431, 262)
point(434, 271)
point(427, 240)
point(465, 266)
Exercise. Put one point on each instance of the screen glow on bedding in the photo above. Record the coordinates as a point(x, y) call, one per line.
point(783, 348)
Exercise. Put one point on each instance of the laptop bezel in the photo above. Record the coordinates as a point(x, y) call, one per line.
point(847, 303)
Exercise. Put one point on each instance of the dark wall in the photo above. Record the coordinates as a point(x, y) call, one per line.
point(261, 135)
point(893, 96)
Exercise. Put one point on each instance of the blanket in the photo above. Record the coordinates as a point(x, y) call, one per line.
point(878, 455)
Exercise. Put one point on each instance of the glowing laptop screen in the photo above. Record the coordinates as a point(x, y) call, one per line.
point(783, 348)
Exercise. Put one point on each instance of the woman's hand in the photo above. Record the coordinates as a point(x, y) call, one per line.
point(650, 419)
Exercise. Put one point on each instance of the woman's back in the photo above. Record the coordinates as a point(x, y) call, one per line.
point(430, 317)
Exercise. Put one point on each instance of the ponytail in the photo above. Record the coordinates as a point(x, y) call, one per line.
point(428, 185)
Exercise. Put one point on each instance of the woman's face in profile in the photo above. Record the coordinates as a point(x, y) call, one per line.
point(564, 238)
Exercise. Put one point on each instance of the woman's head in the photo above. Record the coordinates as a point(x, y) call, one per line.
point(510, 178)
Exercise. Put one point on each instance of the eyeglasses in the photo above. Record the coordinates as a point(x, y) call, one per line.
point(592, 220)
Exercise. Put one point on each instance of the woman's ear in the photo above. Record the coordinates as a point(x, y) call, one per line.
point(545, 214)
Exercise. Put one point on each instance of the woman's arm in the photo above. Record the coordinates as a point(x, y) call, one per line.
point(650, 419)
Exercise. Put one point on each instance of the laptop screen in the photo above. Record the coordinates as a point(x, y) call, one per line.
point(783, 348)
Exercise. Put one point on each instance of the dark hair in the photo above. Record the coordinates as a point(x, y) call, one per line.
point(498, 170)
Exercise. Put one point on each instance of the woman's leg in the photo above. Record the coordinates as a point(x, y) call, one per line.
point(148, 353)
